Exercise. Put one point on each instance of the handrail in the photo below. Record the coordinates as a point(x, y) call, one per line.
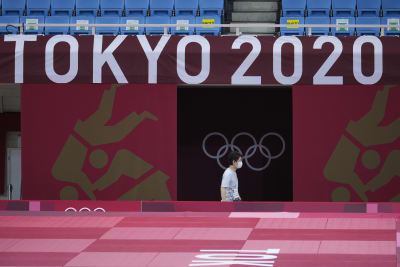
point(237, 26)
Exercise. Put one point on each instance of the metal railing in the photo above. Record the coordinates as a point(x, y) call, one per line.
point(237, 26)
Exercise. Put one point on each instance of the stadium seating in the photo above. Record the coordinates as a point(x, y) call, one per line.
point(136, 7)
point(183, 19)
point(211, 7)
point(139, 19)
point(368, 21)
point(395, 21)
point(13, 7)
point(32, 20)
point(208, 20)
point(107, 30)
point(342, 30)
point(343, 8)
point(294, 8)
point(186, 7)
point(319, 8)
point(9, 20)
point(111, 7)
point(318, 20)
point(157, 20)
point(161, 7)
point(37, 7)
point(292, 30)
point(57, 20)
point(368, 8)
point(81, 20)
point(391, 8)
point(62, 7)
point(87, 7)
point(161, 12)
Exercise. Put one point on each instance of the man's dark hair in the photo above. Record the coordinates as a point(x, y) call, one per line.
point(233, 156)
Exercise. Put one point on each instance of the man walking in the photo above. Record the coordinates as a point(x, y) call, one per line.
point(230, 184)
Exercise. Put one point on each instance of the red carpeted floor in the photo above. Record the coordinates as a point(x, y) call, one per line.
point(177, 239)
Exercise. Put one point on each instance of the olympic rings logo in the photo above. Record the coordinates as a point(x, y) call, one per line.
point(223, 150)
point(84, 209)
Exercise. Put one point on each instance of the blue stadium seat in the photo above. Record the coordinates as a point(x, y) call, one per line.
point(81, 20)
point(32, 20)
point(292, 31)
point(157, 20)
point(318, 20)
point(211, 7)
point(87, 7)
point(9, 20)
point(342, 30)
point(139, 19)
point(368, 21)
point(395, 21)
point(186, 7)
point(62, 7)
point(57, 20)
point(136, 7)
point(368, 8)
point(111, 7)
point(319, 8)
point(37, 7)
point(107, 30)
point(295, 8)
point(208, 20)
point(391, 8)
point(183, 19)
point(13, 7)
point(343, 8)
point(161, 7)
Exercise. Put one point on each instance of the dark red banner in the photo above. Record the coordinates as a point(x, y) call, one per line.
point(346, 143)
point(99, 142)
point(326, 60)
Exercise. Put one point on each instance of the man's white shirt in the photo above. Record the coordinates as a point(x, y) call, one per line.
point(230, 182)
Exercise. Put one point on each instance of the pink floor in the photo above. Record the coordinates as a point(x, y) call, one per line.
point(199, 239)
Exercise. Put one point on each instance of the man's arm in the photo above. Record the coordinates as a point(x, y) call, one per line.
point(223, 193)
point(236, 194)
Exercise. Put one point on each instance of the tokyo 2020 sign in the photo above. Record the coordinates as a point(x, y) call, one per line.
point(249, 60)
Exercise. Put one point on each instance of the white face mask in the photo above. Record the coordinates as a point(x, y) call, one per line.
point(239, 164)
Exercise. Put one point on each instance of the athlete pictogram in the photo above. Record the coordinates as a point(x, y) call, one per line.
point(90, 134)
point(367, 133)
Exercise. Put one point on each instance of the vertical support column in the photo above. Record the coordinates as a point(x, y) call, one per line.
point(1, 104)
